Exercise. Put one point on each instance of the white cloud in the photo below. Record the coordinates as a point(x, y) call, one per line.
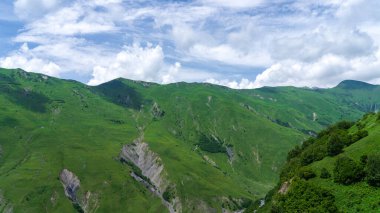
point(328, 71)
point(77, 18)
point(233, 4)
point(322, 41)
point(25, 59)
point(243, 84)
point(229, 55)
point(137, 63)
point(27, 9)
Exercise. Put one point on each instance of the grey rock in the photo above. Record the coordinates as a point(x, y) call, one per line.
point(70, 184)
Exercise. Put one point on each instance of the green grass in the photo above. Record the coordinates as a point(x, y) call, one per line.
point(48, 124)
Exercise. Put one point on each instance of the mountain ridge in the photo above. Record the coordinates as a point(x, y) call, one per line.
point(348, 83)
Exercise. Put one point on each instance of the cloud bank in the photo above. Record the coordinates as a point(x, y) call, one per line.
point(239, 44)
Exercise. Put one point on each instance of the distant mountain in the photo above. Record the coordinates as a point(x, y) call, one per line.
point(132, 146)
point(351, 84)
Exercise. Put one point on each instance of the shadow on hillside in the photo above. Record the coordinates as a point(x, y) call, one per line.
point(121, 94)
point(28, 99)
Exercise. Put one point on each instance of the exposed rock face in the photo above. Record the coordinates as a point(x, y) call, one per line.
point(86, 202)
point(149, 162)
point(70, 184)
point(157, 112)
point(230, 153)
point(151, 166)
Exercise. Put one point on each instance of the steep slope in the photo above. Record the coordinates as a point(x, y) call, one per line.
point(338, 171)
point(219, 148)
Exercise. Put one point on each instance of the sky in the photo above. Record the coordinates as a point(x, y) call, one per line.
point(241, 44)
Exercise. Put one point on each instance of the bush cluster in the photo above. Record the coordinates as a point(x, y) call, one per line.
point(329, 142)
point(305, 196)
point(373, 170)
point(347, 171)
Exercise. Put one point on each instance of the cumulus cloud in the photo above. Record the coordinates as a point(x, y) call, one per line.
point(25, 59)
point(137, 63)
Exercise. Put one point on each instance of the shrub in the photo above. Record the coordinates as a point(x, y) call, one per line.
point(307, 143)
point(315, 153)
point(363, 159)
point(360, 125)
point(334, 145)
point(359, 135)
point(344, 124)
point(169, 194)
point(325, 173)
point(305, 197)
point(373, 170)
point(347, 171)
point(306, 173)
point(294, 152)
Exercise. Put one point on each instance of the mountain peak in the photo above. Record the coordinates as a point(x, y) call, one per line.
point(353, 84)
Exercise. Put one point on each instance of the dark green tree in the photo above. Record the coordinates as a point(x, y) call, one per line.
point(373, 170)
point(305, 197)
point(325, 173)
point(335, 145)
point(347, 171)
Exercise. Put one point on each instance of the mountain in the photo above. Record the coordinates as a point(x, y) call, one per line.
point(339, 171)
point(352, 84)
point(132, 146)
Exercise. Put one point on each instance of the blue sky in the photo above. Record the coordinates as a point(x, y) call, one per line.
point(240, 43)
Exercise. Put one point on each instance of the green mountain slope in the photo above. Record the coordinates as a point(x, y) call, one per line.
point(343, 175)
point(214, 148)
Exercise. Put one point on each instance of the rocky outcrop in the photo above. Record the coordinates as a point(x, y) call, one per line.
point(70, 184)
point(230, 153)
point(157, 112)
point(284, 187)
point(149, 162)
point(151, 167)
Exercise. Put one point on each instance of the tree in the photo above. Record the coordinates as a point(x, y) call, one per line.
point(325, 173)
point(294, 152)
point(373, 170)
point(347, 171)
point(363, 160)
point(334, 145)
point(305, 197)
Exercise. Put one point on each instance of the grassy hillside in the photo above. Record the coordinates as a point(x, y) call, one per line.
point(343, 173)
point(221, 148)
